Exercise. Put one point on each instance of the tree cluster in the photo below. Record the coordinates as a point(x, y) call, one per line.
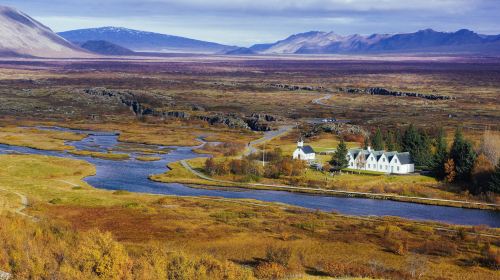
point(276, 166)
point(461, 163)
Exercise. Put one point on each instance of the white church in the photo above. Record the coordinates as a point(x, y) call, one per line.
point(302, 152)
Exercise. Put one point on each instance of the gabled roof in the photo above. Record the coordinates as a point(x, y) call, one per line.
point(404, 158)
point(307, 149)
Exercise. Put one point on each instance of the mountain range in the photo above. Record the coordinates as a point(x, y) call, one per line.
point(423, 41)
point(21, 35)
point(143, 41)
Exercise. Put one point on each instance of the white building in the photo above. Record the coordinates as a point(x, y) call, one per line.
point(304, 152)
point(381, 161)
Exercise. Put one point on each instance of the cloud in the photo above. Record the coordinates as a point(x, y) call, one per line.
point(243, 22)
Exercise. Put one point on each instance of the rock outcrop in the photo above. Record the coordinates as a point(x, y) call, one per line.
point(295, 87)
point(256, 122)
point(383, 91)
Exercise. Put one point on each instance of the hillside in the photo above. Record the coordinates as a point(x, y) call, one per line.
point(142, 41)
point(106, 48)
point(21, 35)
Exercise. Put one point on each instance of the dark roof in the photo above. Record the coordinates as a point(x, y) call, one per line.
point(404, 158)
point(307, 150)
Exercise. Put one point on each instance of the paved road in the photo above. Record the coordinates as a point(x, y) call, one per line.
point(321, 101)
point(346, 193)
point(268, 135)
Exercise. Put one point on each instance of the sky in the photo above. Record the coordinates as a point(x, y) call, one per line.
point(247, 22)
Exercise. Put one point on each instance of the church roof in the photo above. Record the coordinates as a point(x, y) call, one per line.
point(307, 149)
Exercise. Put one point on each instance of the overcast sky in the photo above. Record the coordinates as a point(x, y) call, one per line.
point(245, 22)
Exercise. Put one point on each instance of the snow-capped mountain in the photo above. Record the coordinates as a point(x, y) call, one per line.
point(21, 35)
point(143, 41)
point(422, 41)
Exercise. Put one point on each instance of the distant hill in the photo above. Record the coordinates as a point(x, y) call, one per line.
point(106, 48)
point(423, 41)
point(21, 35)
point(240, 51)
point(143, 41)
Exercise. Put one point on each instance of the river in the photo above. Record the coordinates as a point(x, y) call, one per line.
point(132, 175)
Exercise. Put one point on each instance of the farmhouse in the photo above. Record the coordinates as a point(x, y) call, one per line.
point(304, 152)
point(381, 161)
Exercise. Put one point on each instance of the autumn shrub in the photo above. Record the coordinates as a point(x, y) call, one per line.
point(491, 256)
point(280, 255)
point(438, 248)
point(397, 247)
point(270, 271)
point(100, 255)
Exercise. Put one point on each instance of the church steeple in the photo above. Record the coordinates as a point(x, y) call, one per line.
point(300, 142)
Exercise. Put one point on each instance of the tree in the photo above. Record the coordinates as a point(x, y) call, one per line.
point(449, 171)
point(339, 159)
point(481, 175)
point(398, 139)
point(378, 140)
point(389, 141)
point(463, 156)
point(418, 145)
point(494, 184)
point(441, 155)
point(210, 166)
point(490, 146)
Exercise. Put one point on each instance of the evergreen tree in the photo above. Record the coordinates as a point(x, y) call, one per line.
point(339, 159)
point(410, 140)
point(441, 155)
point(378, 140)
point(418, 144)
point(389, 141)
point(463, 155)
point(398, 140)
point(494, 184)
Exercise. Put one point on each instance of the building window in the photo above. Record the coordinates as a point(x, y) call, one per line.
point(383, 159)
point(398, 168)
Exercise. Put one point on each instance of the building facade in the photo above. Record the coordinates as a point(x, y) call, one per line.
point(302, 152)
point(380, 161)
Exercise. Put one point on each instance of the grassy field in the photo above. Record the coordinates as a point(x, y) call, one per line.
point(37, 138)
point(241, 230)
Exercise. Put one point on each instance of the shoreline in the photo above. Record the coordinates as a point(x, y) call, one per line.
point(207, 181)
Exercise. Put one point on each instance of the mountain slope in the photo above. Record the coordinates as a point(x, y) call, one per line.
point(106, 48)
point(21, 35)
point(143, 41)
point(422, 41)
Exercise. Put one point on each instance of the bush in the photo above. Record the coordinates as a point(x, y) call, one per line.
point(100, 255)
point(438, 248)
point(280, 255)
point(270, 270)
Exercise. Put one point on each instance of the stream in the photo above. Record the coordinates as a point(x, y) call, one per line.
point(132, 175)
